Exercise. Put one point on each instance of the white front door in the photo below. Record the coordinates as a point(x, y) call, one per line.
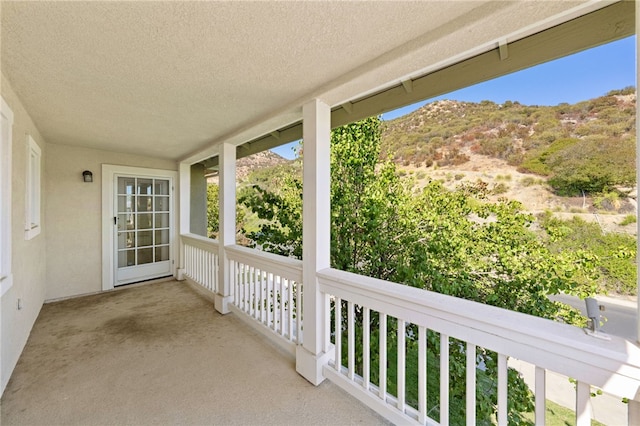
point(142, 218)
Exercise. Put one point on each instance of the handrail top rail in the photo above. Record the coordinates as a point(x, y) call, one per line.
point(200, 238)
point(560, 347)
point(271, 257)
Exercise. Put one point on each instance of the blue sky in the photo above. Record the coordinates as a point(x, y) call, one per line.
point(571, 79)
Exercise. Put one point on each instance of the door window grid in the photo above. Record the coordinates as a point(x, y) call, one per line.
point(143, 221)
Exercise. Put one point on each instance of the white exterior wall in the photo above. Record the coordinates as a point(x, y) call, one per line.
point(28, 256)
point(74, 214)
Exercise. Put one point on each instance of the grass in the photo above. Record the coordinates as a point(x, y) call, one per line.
point(629, 219)
point(557, 415)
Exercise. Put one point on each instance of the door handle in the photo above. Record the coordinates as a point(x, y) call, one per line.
point(115, 220)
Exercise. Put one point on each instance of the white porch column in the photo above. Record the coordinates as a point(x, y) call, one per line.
point(227, 232)
point(184, 213)
point(316, 239)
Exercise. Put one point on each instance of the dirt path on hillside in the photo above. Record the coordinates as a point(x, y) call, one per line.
point(530, 190)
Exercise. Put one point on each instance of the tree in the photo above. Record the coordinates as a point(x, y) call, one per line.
point(213, 210)
point(452, 242)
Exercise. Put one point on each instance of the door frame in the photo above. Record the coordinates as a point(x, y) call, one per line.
point(109, 171)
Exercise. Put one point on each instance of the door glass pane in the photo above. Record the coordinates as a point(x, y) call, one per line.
point(162, 220)
point(144, 203)
point(162, 204)
point(162, 253)
point(126, 258)
point(126, 203)
point(145, 220)
point(145, 255)
point(162, 187)
point(126, 240)
point(126, 222)
point(126, 185)
point(162, 237)
point(145, 238)
point(145, 186)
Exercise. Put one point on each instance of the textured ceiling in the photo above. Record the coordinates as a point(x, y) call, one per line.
point(166, 79)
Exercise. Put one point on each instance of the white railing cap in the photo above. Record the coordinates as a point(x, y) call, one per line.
point(611, 365)
point(286, 267)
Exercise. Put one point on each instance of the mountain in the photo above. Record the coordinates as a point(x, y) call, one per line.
point(447, 132)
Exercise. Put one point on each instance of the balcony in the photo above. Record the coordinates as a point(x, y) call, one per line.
point(125, 95)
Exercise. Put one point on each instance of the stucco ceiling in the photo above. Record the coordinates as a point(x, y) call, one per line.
point(167, 79)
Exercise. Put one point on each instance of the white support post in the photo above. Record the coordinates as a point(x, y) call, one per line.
point(227, 233)
point(184, 212)
point(316, 240)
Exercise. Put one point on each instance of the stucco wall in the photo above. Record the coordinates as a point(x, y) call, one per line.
point(28, 256)
point(73, 216)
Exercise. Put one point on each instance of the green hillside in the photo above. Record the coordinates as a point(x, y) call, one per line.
point(588, 146)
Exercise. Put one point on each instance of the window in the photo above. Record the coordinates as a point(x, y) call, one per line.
point(6, 123)
point(32, 195)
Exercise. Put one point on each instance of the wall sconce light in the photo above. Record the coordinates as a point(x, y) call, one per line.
point(87, 176)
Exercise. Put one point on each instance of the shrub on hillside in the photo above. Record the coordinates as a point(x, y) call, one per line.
point(592, 166)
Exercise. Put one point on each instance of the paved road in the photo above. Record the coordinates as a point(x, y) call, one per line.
point(620, 314)
point(621, 321)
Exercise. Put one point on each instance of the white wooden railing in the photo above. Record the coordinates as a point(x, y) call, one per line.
point(201, 261)
point(267, 293)
point(613, 366)
point(265, 288)
point(268, 288)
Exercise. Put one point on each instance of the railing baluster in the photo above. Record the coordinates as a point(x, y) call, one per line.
point(200, 267)
point(383, 356)
point(422, 375)
point(256, 279)
point(250, 282)
point(290, 294)
point(187, 260)
point(270, 303)
point(285, 307)
point(209, 269)
point(583, 412)
point(240, 289)
point(243, 285)
point(196, 271)
point(366, 348)
point(299, 317)
point(471, 384)
point(262, 296)
point(216, 271)
point(338, 332)
point(401, 363)
point(282, 306)
point(252, 291)
point(540, 394)
point(233, 272)
point(444, 379)
point(351, 341)
point(276, 303)
point(502, 390)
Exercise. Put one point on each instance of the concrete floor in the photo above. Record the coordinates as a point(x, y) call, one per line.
point(160, 354)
